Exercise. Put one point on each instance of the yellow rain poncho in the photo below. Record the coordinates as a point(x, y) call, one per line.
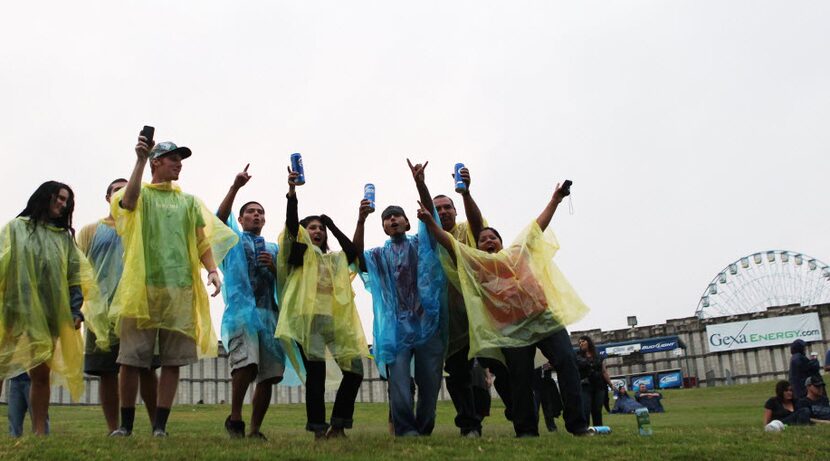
point(38, 265)
point(161, 286)
point(317, 308)
point(458, 325)
point(516, 297)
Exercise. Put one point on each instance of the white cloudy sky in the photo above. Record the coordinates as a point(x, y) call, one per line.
point(695, 132)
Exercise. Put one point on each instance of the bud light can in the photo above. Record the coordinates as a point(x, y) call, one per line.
point(259, 247)
point(460, 187)
point(599, 430)
point(297, 165)
point(369, 194)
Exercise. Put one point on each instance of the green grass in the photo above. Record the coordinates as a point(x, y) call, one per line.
point(714, 423)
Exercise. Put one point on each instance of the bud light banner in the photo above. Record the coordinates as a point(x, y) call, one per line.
point(751, 334)
point(670, 380)
point(648, 380)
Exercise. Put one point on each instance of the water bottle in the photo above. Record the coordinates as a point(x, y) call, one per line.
point(297, 165)
point(369, 194)
point(643, 421)
point(460, 187)
point(259, 247)
point(599, 430)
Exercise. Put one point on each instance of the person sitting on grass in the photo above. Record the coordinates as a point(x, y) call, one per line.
point(782, 407)
point(625, 404)
point(816, 400)
point(649, 399)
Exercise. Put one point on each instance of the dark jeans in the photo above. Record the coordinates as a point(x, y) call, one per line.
point(460, 387)
point(546, 395)
point(502, 384)
point(593, 397)
point(798, 417)
point(556, 348)
point(428, 360)
point(342, 415)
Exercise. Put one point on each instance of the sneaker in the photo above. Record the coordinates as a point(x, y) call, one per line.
point(121, 432)
point(159, 433)
point(236, 429)
point(258, 436)
point(320, 435)
point(336, 433)
point(583, 433)
point(473, 434)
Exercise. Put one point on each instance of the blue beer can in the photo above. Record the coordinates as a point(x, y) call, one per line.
point(259, 247)
point(297, 165)
point(369, 193)
point(460, 187)
point(599, 430)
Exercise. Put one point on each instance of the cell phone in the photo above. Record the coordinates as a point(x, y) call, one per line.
point(566, 187)
point(148, 133)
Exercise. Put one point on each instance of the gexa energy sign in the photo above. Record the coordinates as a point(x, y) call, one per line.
point(763, 332)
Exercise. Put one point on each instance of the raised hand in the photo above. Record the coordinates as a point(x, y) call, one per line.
point(242, 178)
point(424, 214)
point(143, 148)
point(465, 176)
point(417, 170)
point(558, 194)
point(293, 176)
point(364, 210)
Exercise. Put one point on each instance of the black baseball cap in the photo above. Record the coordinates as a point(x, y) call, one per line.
point(815, 380)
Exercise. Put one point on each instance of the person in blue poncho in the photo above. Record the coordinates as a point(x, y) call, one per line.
point(408, 289)
point(251, 312)
point(101, 244)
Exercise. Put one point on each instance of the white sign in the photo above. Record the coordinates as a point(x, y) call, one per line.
point(623, 350)
point(752, 334)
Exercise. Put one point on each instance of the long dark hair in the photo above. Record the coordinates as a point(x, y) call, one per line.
point(780, 387)
point(592, 349)
point(307, 220)
point(37, 208)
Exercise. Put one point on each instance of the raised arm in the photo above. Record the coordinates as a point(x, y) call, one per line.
point(239, 181)
point(348, 247)
point(474, 219)
point(420, 184)
point(133, 189)
point(441, 236)
point(292, 220)
point(364, 211)
point(547, 214)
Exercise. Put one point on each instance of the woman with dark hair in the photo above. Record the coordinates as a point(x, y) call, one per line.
point(801, 368)
point(318, 314)
point(593, 378)
point(518, 301)
point(44, 279)
point(782, 407)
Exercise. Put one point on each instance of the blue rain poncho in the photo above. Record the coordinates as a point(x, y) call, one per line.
point(242, 316)
point(102, 245)
point(409, 295)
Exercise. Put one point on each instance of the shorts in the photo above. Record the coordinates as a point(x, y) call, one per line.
point(246, 350)
point(96, 361)
point(138, 345)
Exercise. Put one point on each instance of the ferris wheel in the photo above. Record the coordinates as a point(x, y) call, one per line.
point(765, 279)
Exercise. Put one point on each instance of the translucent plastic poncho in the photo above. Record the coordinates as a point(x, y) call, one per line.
point(317, 308)
point(242, 316)
point(515, 297)
point(161, 286)
point(38, 264)
point(409, 295)
point(458, 337)
point(102, 245)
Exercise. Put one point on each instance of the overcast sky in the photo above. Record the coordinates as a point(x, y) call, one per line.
point(695, 132)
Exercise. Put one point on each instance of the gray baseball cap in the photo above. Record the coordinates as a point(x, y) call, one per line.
point(168, 148)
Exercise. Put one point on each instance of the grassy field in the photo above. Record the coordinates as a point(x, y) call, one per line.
point(714, 423)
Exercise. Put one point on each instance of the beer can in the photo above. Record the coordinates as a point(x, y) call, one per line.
point(643, 421)
point(259, 247)
point(460, 187)
point(369, 194)
point(297, 165)
point(599, 430)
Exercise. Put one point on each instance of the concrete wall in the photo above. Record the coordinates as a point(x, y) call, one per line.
point(742, 366)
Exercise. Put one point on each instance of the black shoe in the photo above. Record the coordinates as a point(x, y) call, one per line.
point(526, 435)
point(552, 429)
point(236, 429)
point(336, 433)
point(257, 435)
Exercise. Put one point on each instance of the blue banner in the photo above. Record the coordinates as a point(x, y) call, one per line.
point(648, 380)
point(670, 380)
point(643, 346)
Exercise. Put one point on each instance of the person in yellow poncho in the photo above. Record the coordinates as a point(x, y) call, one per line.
point(43, 281)
point(517, 300)
point(319, 315)
point(166, 235)
point(101, 244)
